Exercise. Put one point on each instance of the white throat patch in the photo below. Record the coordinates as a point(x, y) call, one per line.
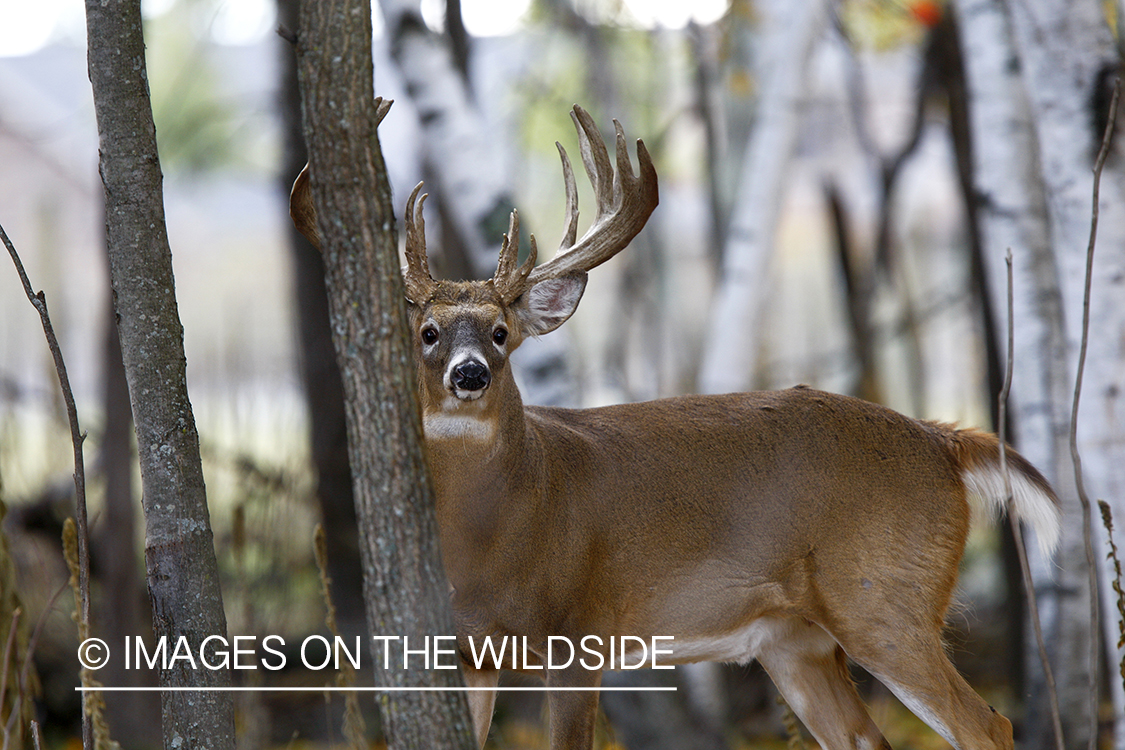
point(442, 426)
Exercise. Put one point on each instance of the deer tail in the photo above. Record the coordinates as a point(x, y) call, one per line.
point(977, 455)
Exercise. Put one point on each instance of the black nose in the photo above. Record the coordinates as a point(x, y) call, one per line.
point(471, 376)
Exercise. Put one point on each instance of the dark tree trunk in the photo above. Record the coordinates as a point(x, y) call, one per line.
point(183, 576)
point(458, 39)
point(405, 587)
point(121, 610)
point(324, 391)
point(952, 78)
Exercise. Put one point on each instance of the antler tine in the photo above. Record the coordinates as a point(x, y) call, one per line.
point(382, 107)
point(570, 232)
point(624, 180)
point(624, 201)
point(419, 283)
point(511, 281)
point(509, 249)
point(595, 159)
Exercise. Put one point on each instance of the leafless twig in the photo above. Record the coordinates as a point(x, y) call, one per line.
point(354, 727)
point(1017, 531)
point(77, 437)
point(1087, 508)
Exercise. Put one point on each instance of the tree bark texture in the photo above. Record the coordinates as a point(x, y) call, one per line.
point(183, 577)
point(1030, 173)
point(406, 591)
point(320, 374)
point(1068, 59)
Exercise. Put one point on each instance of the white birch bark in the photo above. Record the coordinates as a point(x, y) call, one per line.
point(1031, 66)
point(1013, 215)
point(729, 357)
point(465, 160)
point(1064, 46)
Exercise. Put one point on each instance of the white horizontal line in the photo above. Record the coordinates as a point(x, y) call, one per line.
point(509, 689)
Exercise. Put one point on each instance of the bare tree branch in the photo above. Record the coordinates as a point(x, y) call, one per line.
point(1017, 531)
point(77, 437)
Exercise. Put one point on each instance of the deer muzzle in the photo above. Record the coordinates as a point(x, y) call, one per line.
point(469, 379)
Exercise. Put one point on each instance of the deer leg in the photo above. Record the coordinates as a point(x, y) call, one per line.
point(573, 712)
point(481, 702)
point(920, 675)
point(811, 671)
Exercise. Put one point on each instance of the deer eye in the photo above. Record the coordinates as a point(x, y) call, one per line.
point(429, 336)
point(499, 336)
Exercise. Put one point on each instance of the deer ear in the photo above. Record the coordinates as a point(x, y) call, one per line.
point(301, 208)
point(547, 305)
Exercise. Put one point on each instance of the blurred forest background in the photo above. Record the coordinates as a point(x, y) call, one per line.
point(835, 208)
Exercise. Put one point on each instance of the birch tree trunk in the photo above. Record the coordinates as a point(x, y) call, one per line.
point(405, 588)
point(730, 356)
point(1030, 85)
point(183, 575)
point(464, 161)
point(1066, 50)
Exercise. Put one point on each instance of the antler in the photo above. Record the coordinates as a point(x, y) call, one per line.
point(510, 279)
point(416, 276)
point(625, 201)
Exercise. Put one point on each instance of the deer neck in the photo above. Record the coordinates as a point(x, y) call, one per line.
point(482, 460)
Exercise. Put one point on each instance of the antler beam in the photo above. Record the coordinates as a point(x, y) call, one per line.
point(624, 201)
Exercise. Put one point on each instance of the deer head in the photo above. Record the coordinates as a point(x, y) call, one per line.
point(466, 330)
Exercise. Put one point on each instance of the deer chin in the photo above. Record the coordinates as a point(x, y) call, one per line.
point(461, 403)
point(467, 396)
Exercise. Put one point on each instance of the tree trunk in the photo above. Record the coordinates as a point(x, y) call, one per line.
point(183, 576)
point(729, 358)
point(952, 80)
point(1013, 189)
point(1068, 56)
point(458, 150)
point(406, 591)
point(121, 609)
point(320, 374)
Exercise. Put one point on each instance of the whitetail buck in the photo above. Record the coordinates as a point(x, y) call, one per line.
point(798, 528)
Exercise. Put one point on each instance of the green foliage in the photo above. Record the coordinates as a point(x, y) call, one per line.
point(202, 124)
